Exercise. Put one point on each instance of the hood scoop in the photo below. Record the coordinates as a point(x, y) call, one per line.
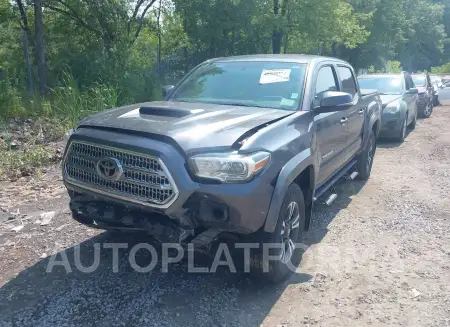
point(165, 112)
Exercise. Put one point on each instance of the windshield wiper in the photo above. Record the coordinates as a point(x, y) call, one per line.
point(240, 104)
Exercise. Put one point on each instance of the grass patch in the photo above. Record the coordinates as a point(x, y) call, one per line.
point(14, 164)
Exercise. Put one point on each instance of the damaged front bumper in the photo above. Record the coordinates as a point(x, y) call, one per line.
point(104, 215)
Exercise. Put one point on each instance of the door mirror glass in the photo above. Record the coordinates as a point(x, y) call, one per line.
point(413, 90)
point(167, 90)
point(334, 101)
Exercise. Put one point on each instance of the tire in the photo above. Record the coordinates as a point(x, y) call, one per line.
point(427, 110)
point(414, 122)
point(278, 270)
point(436, 101)
point(365, 160)
point(402, 134)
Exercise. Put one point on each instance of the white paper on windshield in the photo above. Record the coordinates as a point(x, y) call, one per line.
point(274, 76)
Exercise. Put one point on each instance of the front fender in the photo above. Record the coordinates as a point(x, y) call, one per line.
point(373, 116)
point(287, 175)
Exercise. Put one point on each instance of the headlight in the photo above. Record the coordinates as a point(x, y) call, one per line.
point(229, 167)
point(393, 107)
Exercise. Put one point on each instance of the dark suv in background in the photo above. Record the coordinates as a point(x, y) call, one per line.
point(399, 101)
point(425, 101)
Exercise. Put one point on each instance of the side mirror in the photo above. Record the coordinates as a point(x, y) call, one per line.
point(334, 101)
point(167, 90)
point(412, 90)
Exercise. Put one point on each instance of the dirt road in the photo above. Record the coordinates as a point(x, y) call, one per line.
point(380, 256)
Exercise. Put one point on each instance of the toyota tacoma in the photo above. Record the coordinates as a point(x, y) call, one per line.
point(239, 149)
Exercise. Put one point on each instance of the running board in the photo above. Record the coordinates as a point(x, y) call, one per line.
point(322, 189)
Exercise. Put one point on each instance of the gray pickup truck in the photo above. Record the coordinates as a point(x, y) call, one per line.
point(240, 149)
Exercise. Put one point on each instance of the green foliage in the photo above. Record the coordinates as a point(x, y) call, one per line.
point(10, 101)
point(393, 67)
point(444, 69)
point(390, 67)
point(105, 53)
point(70, 104)
point(14, 160)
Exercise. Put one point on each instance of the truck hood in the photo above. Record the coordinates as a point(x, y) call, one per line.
point(388, 98)
point(191, 125)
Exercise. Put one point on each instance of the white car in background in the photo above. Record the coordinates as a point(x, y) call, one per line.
point(436, 82)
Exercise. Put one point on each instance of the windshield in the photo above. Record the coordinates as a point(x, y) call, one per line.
point(435, 78)
point(419, 80)
point(275, 85)
point(384, 84)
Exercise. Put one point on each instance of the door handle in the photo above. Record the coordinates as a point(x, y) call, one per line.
point(344, 120)
point(360, 111)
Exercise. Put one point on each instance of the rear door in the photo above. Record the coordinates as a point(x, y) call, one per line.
point(355, 114)
point(330, 127)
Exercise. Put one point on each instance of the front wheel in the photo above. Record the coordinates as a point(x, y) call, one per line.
point(402, 134)
point(414, 122)
point(281, 257)
point(365, 161)
point(427, 110)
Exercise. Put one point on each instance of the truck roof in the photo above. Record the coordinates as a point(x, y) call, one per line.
point(378, 75)
point(299, 58)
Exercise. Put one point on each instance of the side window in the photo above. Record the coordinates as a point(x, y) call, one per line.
point(347, 80)
point(409, 82)
point(326, 81)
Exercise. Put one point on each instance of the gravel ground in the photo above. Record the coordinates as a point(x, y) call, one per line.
point(380, 255)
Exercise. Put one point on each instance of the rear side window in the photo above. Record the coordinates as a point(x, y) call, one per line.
point(409, 83)
point(347, 80)
point(326, 81)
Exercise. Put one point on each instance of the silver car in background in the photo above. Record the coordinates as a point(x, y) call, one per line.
point(437, 84)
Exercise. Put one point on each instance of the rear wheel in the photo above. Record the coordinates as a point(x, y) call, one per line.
point(436, 101)
point(365, 160)
point(283, 256)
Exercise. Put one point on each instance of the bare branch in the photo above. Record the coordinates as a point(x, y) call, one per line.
point(136, 10)
point(141, 23)
point(73, 15)
point(23, 15)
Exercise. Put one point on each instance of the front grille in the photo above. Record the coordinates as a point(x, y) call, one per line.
point(143, 178)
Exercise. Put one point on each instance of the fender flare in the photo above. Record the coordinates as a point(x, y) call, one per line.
point(287, 175)
point(373, 118)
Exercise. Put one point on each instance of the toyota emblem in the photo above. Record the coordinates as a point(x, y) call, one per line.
point(109, 168)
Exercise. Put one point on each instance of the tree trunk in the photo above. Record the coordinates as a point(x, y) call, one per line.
point(159, 41)
point(26, 52)
point(39, 33)
point(26, 48)
point(286, 43)
point(277, 37)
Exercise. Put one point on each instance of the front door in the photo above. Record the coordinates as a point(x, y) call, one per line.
point(330, 127)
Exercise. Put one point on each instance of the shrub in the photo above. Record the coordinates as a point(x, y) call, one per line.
point(71, 105)
point(10, 101)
